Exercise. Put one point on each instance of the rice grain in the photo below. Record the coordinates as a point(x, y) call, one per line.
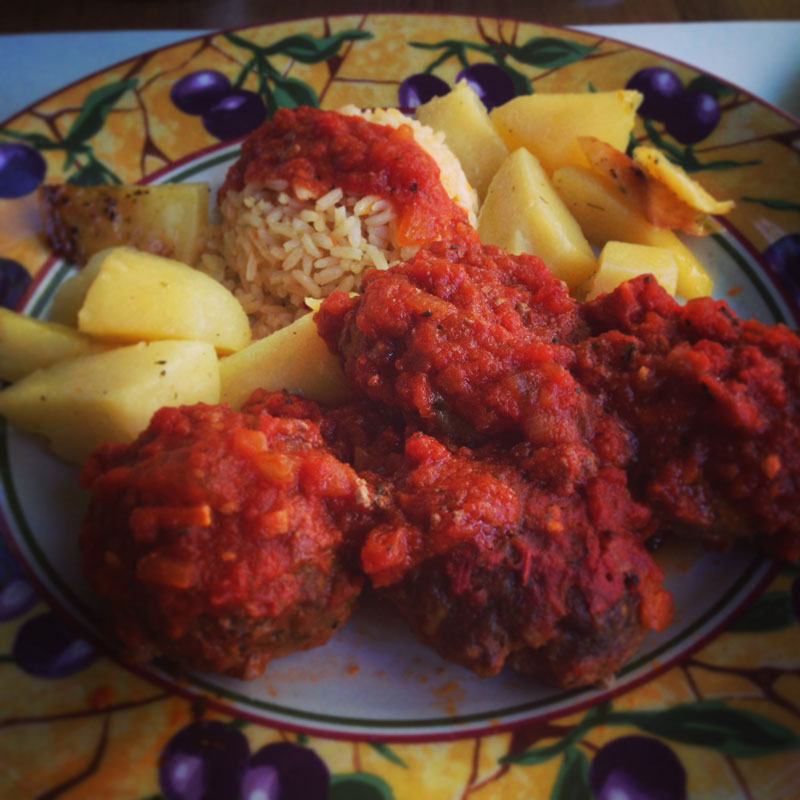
point(277, 245)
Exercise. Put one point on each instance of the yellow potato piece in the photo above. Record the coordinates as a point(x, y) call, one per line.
point(604, 214)
point(71, 294)
point(523, 213)
point(138, 296)
point(549, 124)
point(168, 219)
point(294, 358)
point(621, 261)
point(657, 165)
point(110, 396)
point(27, 344)
point(468, 132)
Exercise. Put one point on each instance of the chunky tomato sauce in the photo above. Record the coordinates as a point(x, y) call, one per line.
point(546, 441)
point(699, 407)
point(322, 150)
point(494, 552)
point(712, 402)
point(462, 335)
point(507, 531)
point(510, 459)
point(218, 538)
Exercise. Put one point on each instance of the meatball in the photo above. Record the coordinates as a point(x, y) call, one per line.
point(222, 539)
point(488, 567)
point(467, 338)
point(713, 402)
point(699, 407)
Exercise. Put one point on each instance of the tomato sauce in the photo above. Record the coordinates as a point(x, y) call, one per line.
point(322, 150)
point(699, 407)
point(713, 403)
point(489, 566)
point(546, 441)
point(217, 537)
point(463, 336)
point(506, 519)
point(510, 458)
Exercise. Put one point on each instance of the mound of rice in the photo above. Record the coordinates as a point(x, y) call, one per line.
point(274, 247)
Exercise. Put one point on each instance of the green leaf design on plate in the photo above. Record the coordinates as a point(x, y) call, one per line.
point(712, 723)
point(388, 753)
point(290, 93)
point(240, 41)
point(309, 49)
point(359, 786)
point(537, 755)
point(711, 85)
point(279, 90)
point(775, 203)
point(94, 111)
point(572, 781)
point(685, 157)
point(92, 173)
point(522, 83)
point(89, 171)
point(451, 48)
point(548, 52)
point(37, 140)
point(772, 611)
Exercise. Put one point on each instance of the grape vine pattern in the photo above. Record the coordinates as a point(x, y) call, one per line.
point(645, 767)
point(229, 111)
point(47, 648)
point(637, 767)
point(689, 113)
point(783, 258)
point(495, 82)
point(493, 85)
point(539, 51)
point(86, 169)
point(211, 760)
point(22, 169)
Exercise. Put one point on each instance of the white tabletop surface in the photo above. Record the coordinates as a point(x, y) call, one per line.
point(761, 57)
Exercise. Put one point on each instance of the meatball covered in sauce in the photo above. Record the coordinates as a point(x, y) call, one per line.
point(221, 539)
point(491, 568)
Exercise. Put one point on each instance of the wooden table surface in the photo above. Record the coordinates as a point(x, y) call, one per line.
point(87, 15)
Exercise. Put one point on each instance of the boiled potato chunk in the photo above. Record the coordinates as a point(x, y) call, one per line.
point(110, 396)
point(549, 124)
point(168, 219)
point(621, 261)
point(468, 132)
point(523, 213)
point(604, 214)
point(71, 294)
point(27, 344)
point(293, 358)
point(138, 296)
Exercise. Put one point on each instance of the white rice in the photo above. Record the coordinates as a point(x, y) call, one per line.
point(276, 245)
